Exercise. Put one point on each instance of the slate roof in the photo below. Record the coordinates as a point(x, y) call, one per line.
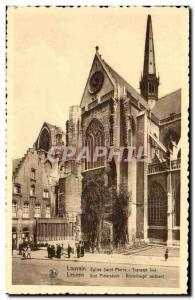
point(122, 82)
point(167, 105)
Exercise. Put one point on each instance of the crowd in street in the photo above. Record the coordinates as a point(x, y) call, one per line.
point(58, 250)
point(54, 251)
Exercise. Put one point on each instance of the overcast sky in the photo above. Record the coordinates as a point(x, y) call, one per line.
point(50, 52)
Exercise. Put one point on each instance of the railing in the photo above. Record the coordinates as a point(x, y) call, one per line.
point(157, 167)
point(176, 164)
point(164, 166)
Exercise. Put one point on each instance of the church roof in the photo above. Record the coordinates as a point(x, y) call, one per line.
point(149, 57)
point(167, 105)
point(122, 82)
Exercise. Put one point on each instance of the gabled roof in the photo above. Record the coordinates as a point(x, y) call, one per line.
point(50, 126)
point(167, 105)
point(16, 163)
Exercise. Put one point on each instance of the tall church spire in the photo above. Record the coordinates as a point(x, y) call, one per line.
point(149, 82)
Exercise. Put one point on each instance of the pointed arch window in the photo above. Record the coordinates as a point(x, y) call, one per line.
point(94, 138)
point(157, 206)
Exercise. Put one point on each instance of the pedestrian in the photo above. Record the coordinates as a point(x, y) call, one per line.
point(78, 250)
point(24, 252)
point(58, 251)
point(12, 247)
point(82, 249)
point(20, 248)
point(166, 254)
point(48, 251)
point(69, 249)
point(52, 251)
point(62, 249)
point(28, 252)
point(111, 248)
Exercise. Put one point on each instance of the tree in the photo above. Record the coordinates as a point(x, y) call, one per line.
point(121, 213)
point(94, 197)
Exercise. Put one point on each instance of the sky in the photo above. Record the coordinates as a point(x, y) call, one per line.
point(50, 52)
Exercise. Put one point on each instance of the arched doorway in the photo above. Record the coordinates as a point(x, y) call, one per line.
point(157, 212)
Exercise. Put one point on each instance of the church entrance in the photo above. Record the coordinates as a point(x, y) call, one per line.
point(157, 213)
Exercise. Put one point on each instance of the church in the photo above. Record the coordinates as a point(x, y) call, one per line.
point(113, 114)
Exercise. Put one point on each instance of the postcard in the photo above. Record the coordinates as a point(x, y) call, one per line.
point(97, 150)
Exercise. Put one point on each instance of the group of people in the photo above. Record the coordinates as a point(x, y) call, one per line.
point(55, 251)
point(25, 251)
point(58, 250)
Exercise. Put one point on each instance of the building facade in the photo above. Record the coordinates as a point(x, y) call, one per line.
point(36, 214)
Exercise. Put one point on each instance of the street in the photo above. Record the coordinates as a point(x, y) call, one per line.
point(96, 270)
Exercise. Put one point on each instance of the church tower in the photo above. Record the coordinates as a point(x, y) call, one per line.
point(149, 81)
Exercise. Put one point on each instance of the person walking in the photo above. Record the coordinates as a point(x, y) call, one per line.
point(58, 251)
point(69, 250)
point(78, 250)
point(82, 249)
point(166, 254)
point(52, 251)
point(20, 248)
point(48, 251)
point(28, 252)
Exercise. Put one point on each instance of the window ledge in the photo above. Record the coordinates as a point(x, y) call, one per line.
point(157, 227)
point(17, 194)
point(88, 170)
point(31, 179)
